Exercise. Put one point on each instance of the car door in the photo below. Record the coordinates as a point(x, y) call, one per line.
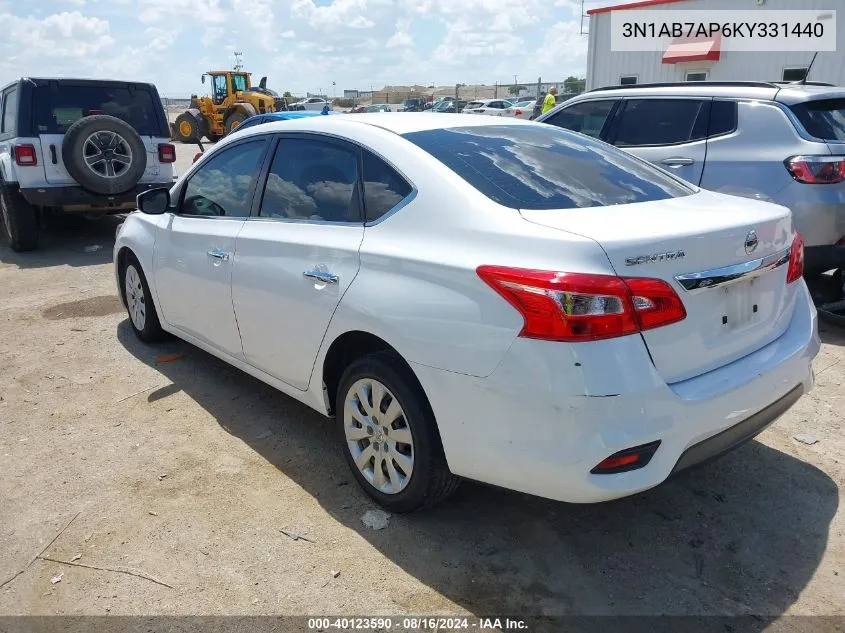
point(195, 248)
point(297, 256)
point(669, 132)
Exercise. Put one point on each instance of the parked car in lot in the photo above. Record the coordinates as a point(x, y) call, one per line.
point(78, 146)
point(488, 298)
point(312, 103)
point(777, 142)
point(520, 109)
point(378, 107)
point(493, 107)
point(415, 104)
point(452, 106)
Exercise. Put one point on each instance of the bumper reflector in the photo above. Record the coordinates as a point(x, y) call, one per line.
point(628, 459)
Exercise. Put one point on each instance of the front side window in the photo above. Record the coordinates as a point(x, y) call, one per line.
point(222, 187)
point(544, 167)
point(661, 122)
point(10, 110)
point(588, 117)
point(311, 179)
point(383, 187)
point(221, 90)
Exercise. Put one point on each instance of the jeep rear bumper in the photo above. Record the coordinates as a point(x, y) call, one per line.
point(75, 198)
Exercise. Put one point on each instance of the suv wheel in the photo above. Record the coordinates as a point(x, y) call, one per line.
point(104, 154)
point(20, 221)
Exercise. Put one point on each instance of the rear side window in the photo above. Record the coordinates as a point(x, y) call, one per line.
point(10, 110)
point(56, 107)
point(823, 119)
point(383, 187)
point(661, 122)
point(544, 167)
point(587, 118)
point(723, 118)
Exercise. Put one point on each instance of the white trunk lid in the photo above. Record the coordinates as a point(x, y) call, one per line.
point(724, 322)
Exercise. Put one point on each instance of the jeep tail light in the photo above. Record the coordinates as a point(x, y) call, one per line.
point(166, 153)
point(25, 155)
point(817, 170)
point(796, 259)
point(559, 306)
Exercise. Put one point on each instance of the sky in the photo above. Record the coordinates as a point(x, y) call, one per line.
point(300, 45)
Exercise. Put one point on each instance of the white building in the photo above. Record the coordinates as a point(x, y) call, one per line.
point(707, 62)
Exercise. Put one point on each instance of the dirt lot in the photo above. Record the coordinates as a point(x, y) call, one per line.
point(187, 471)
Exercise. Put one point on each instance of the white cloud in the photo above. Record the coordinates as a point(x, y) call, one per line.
point(258, 14)
point(288, 35)
point(65, 35)
point(160, 39)
point(78, 3)
point(194, 10)
point(337, 15)
point(211, 35)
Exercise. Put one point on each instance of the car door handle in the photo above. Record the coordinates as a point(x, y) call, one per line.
point(677, 162)
point(218, 254)
point(321, 275)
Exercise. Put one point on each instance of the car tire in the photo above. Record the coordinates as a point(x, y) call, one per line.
point(108, 137)
point(234, 120)
point(188, 128)
point(427, 480)
point(138, 301)
point(20, 220)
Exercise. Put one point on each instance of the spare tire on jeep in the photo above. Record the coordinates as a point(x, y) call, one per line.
point(104, 154)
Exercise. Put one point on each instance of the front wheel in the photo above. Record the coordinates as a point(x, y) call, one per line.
point(390, 436)
point(139, 303)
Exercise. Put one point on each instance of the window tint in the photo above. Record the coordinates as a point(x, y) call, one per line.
point(10, 110)
point(823, 119)
point(660, 122)
point(223, 185)
point(383, 187)
point(312, 180)
point(239, 82)
point(56, 107)
point(587, 118)
point(543, 167)
point(723, 116)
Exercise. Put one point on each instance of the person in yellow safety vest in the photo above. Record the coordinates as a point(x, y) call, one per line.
point(549, 101)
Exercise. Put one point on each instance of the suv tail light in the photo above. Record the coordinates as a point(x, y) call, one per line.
point(817, 170)
point(166, 153)
point(25, 155)
point(560, 306)
point(796, 259)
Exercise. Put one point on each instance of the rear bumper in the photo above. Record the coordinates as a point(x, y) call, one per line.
point(818, 259)
point(75, 198)
point(550, 412)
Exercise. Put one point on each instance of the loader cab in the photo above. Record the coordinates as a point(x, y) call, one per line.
point(225, 84)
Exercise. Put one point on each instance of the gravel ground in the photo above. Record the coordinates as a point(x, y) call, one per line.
point(188, 473)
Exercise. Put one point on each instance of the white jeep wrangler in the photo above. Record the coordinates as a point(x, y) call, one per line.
point(78, 146)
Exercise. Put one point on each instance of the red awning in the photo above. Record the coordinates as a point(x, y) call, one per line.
point(700, 49)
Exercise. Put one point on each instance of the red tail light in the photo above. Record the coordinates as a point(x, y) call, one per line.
point(25, 155)
point(796, 259)
point(561, 306)
point(817, 170)
point(166, 153)
point(197, 156)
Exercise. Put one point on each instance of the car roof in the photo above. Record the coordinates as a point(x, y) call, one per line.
point(396, 122)
point(788, 93)
point(40, 81)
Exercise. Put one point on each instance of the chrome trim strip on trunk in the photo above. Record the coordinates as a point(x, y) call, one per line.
point(706, 279)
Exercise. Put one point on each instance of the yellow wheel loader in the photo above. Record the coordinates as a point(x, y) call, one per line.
point(233, 100)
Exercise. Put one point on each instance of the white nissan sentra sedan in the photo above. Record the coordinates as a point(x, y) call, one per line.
point(485, 298)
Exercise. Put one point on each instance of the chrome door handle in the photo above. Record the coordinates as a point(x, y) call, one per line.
point(218, 254)
point(320, 275)
point(677, 162)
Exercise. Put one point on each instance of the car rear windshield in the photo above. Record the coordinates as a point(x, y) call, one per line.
point(545, 167)
point(57, 107)
point(823, 119)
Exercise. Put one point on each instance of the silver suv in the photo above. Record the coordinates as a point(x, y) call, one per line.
point(784, 143)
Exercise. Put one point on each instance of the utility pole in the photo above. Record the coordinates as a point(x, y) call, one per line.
point(239, 61)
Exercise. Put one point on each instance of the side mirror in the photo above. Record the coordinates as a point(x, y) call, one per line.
point(263, 83)
point(203, 78)
point(154, 201)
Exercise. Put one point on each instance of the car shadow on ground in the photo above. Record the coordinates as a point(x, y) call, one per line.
point(741, 535)
point(63, 242)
